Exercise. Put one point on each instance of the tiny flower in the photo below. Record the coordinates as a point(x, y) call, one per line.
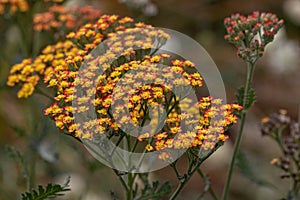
point(164, 155)
point(149, 147)
point(274, 161)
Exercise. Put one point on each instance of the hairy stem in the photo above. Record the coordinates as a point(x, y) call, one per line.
point(250, 72)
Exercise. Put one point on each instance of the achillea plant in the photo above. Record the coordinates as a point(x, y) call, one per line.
point(129, 48)
point(285, 132)
point(109, 79)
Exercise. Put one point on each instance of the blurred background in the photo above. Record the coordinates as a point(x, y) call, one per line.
point(54, 156)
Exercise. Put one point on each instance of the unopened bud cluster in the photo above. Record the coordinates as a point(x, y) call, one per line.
point(250, 34)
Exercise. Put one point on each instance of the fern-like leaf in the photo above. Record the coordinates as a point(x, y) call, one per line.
point(250, 98)
point(51, 191)
point(16, 154)
point(246, 169)
point(154, 191)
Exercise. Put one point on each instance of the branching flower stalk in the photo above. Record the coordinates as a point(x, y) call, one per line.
point(249, 35)
point(286, 133)
point(194, 164)
point(207, 187)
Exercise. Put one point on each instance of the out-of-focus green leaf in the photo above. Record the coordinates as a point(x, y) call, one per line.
point(246, 169)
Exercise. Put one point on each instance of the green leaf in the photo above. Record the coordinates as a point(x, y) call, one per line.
point(246, 169)
point(18, 130)
point(250, 97)
point(51, 191)
point(15, 154)
point(155, 192)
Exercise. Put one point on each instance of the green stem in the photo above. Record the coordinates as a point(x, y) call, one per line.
point(129, 193)
point(178, 189)
point(250, 72)
point(32, 168)
point(185, 178)
point(173, 165)
point(130, 176)
point(121, 180)
point(41, 92)
point(208, 187)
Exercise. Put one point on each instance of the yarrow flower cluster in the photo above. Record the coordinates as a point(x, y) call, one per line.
point(204, 131)
point(285, 131)
point(124, 76)
point(13, 6)
point(55, 1)
point(62, 19)
point(51, 63)
point(250, 34)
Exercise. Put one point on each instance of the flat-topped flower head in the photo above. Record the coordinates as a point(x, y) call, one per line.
point(109, 69)
point(61, 20)
point(50, 67)
point(13, 6)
